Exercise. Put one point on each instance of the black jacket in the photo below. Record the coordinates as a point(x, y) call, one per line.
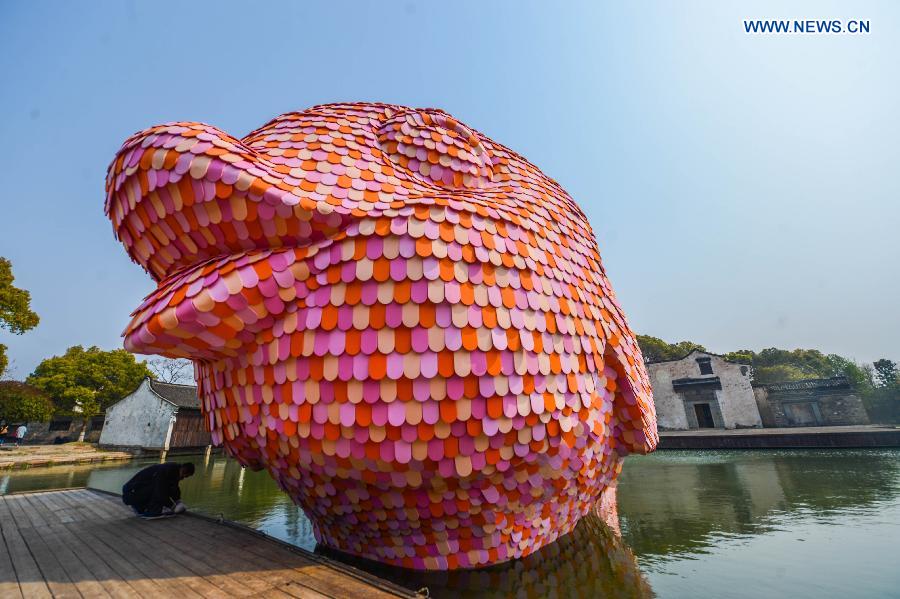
point(160, 480)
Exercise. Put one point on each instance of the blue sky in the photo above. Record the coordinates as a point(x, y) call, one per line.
point(744, 189)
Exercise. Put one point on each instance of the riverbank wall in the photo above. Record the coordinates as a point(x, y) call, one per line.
point(783, 438)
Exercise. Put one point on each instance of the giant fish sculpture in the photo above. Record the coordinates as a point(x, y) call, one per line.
point(406, 323)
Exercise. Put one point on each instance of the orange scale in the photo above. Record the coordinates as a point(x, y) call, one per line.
point(285, 394)
point(469, 338)
point(377, 316)
point(381, 270)
point(447, 411)
point(403, 340)
point(402, 292)
point(377, 366)
point(363, 414)
point(352, 342)
point(471, 388)
point(404, 389)
point(467, 293)
point(446, 366)
point(353, 293)
point(427, 315)
point(316, 368)
point(513, 341)
point(451, 447)
point(555, 364)
point(332, 431)
point(447, 271)
point(333, 275)
point(359, 249)
point(549, 402)
point(383, 227)
point(447, 231)
point(297, 344)
point(494, 407)
point(424, 247)
point(425, 431)
point(178, 297)
point(528, 384)
point(494, 363)
point(329, 317)
point(263, 269)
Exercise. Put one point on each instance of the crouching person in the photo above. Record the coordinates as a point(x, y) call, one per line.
point(154, 492)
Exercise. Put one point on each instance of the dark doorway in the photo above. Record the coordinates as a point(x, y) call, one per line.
point(704, 415)
point(803, 414)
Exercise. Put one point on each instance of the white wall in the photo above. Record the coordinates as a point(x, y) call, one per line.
point(670, 412)
point(141, 419)
point(736, 400)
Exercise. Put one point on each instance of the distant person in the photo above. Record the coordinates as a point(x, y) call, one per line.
point(154, 492)
point(4, 430)
point(21, 430)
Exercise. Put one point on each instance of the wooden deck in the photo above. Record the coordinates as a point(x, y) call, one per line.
point(83, 543)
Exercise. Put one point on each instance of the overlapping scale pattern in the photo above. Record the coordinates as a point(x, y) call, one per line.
point(405, 322)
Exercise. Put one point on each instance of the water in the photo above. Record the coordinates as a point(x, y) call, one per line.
point(694, 524)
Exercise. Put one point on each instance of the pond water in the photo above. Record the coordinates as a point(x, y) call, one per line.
point(694, 524)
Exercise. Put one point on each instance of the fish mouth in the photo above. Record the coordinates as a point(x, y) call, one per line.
point(633, 421)
point(182, 194)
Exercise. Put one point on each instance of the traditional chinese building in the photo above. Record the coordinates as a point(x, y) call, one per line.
point(156, 416)
point(811, 402)
point(703, 390)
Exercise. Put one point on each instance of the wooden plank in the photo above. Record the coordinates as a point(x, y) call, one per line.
point(9, 583)
point(304, 575)
point(30, 580)
point(113, 584)
point(159, 570)
point(83, 543)
point(220, 559)
point(139, 572)
point(6, 518)
point(97, 504)
point(48, 515)
point(142, 584)
point(205, 568)
point(62, 512)
point(139, 544)
point(200, 579)
point(319, 576)
point(229, 547)
point(27, 516)
point(224, 547)
point(81, 576)
point(58, 582)
point(307, 572)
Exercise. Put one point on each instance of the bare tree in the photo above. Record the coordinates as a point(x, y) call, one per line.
point(171, 370)
point(9, 373)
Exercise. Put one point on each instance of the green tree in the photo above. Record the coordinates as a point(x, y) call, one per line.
point(655, 349)
point(20, 402)
point(778, 373)
point(84, 382)
point(885, 373)
point(16, 315)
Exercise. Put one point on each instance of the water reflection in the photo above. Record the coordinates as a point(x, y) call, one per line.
point(587, 563)
point(677, 502)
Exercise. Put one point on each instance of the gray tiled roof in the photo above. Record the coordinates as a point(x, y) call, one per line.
point(183, 396)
